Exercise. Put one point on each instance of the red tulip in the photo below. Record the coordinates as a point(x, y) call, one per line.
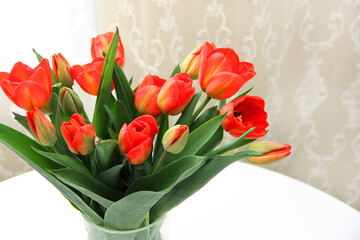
point(221, 73)
point(61, 69)
point(146, 95)
point(43, 130)
point(88, 76)
point(135, 139)
point(102, 43)
point(27, 87)
point(244, 113)
point(176, 94)
point(78, 135)
point(272, 152)
point(192, 62)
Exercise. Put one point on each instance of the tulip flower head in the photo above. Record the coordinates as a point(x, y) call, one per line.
point(272, 152)
point(27, 87)
point(146, 95)
point(191, 64)
point(135, 139)
point(175, 138)
point(70, 101)
point(102, 43)
point(176, 94)
point(43, 130)
point(88, 76)
point(79, 136)
point(61, 69)
point(244, 113)
point(221, 73)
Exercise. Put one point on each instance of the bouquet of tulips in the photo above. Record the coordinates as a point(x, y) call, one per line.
point(127, 167)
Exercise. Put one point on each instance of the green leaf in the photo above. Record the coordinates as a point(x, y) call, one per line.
point(89, 186)
point(199, 137)
point(111, 176)
point(38, 56)
point(176, 70)
point(204, 117)
point(186, 115)
point(233, 145)
point(167, 177)
point(195, 182)
point(145, 191)
point(123, 91)
point(22, 146)
point(244, 93)
point(129, 212)
point(222, 103)
point(105, 154)
point(23, 121)
point(66, 161)
point(212, 143)
point(121, 115)
point(100, 119)
point(109, 113)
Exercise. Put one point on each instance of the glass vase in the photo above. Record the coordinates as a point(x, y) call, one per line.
point(150, 232)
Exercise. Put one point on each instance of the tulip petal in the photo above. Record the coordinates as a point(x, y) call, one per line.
point(9, 88)
point(224, 85)
point(145, 100)
point(140, 153)
point(89, 81)
point(83, 141)
point(20, 72)
point(151, 121)
point(67, 137)
point(29, 95)
point(47, 81)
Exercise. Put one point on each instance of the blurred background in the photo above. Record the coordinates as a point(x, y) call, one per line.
point(306, 55)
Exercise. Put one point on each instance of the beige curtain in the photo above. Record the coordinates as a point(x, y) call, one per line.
point(306, 55)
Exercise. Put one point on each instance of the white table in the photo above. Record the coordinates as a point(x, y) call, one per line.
point(242, 202)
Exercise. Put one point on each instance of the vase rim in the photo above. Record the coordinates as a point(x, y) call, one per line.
point(159, 220)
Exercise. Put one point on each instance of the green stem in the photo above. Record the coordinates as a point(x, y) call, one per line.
point(201, 107)
point(85, 116)
point(133, 172)
point(160, 162)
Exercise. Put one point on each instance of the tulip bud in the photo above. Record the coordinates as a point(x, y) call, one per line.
point(272, 152)
point(191, 64)
point(70, 101)
point(43, 130)
point(78, 135)
point(61, 69)
point(175, 138)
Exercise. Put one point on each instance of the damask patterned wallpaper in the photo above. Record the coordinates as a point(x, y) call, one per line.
point(307, 58)
point(306, 55)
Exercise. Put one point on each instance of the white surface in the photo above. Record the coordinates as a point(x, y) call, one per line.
point(242, 202)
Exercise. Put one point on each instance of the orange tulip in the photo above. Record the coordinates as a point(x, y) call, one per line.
point(146, 95)
point(192, 62)
point(135, 139)
point(272, 152)
point(102, 43)
point(43, 130)
point(79, 136)
point(221, 73)
point(61, 69)
point(176, 94)
point(27, 87)
point(244, 113)
point(88, 76)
